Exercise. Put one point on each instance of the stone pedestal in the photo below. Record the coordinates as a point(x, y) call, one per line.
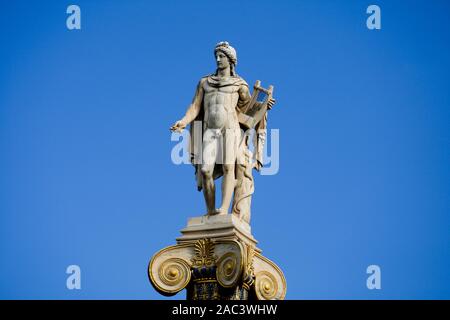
point(216, 257)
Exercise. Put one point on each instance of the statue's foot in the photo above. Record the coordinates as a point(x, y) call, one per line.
point(221, 211)
point(211, 213)
point(215, 212)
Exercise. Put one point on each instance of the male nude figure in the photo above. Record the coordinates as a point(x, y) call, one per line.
point(220, 97)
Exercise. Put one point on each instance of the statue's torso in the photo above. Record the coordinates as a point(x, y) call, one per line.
point(219, 101)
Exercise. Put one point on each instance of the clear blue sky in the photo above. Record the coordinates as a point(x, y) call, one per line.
point(85, 170)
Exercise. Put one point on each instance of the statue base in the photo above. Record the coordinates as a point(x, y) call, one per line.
point(216, 258)
point(223, 227)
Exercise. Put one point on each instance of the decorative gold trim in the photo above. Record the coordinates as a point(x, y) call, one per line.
point(238, 244)
point(204, 254)
point(283, 279)
point(174, 273)
point(182, 262)
point(229, 269)
point(266, 286)
point(238, 267)
point(249, 263)
point(249, 270)
point(205, 280)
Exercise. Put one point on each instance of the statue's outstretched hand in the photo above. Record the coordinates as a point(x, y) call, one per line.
point(178, 126)
point(270, 103)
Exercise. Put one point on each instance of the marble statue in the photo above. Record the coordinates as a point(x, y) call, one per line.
point(219, 103)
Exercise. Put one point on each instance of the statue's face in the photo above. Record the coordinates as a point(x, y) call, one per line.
point(222, 60)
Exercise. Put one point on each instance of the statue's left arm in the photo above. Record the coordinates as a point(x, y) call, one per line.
point(244, 98)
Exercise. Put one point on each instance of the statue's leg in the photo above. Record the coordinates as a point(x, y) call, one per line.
point(209, 189)
point(229, 181)
point(207, 169)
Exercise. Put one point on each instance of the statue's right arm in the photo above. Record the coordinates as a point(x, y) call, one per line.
point(193, 109)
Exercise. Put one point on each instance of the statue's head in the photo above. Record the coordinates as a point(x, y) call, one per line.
point(225, 56)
